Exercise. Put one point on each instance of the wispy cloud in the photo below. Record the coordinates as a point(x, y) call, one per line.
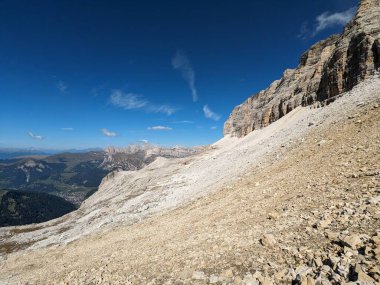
point(159, 128)
point(131, 101)
point(209, 114)
point(108, 133)
point(183, 122)
point(128, 101)
point(144, 141)
point(62, 87)
point(181, 62)
point(213, 128)
point(35, 137)
point(67, 129)
point(325, 21)
point(164, 109)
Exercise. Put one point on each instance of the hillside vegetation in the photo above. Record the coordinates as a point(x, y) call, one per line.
point(22, 208)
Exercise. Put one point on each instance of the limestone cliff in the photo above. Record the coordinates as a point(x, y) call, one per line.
point(327, 69)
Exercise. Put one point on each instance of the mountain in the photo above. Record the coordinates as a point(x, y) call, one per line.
point(47, 187)
point(328, 69)
point(22, 208)
point(72, 176)
point(12, 153)
point(75, 176)
point(294, 202)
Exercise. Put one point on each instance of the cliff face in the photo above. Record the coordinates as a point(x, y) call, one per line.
point(327, 69)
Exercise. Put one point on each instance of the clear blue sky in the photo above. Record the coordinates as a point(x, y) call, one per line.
point(87, 73)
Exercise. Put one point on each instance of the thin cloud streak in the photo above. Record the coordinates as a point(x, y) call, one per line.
point(127, 101)
point(183, 122)
point(108, 133)
point(159, 128)
point(132, 101)
point(35, 137)
point(209, 114)
point(181, 63)
point(67, 129)
point(325, 21)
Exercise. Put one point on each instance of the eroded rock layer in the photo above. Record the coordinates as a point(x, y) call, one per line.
point(329, 68)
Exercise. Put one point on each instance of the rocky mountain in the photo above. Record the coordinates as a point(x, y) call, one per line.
point(328, 69)
point(75, 176)
point(296, 202)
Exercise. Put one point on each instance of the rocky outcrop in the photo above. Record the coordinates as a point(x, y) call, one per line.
point(327, 69)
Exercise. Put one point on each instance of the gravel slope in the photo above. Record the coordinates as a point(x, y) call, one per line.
point(272, 204)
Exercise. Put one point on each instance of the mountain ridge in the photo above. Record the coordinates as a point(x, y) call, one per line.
point(329, 68)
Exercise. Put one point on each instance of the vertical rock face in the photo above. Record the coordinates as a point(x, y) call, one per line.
point(327, 69)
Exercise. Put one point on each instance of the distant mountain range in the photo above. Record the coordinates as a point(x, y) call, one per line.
point(71, 176)
point(9, 153)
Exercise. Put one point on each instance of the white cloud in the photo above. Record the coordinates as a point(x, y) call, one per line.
point(35, 137)
point(209, 114)
point(131, 101)
point(213, 128)
point(181, 62)
point(108, 133)
point(325, 21)
point(159, 128)
point(67, 129)
point(144, 141)
point(62, 87)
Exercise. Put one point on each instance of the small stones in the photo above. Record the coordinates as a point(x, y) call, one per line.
point(213, 279)
point(353, 241)
point(199, 275)
point(323, 223)
point(268, 240)
point(228, 273)
point(361, 104)
point(352, 116)
point(361, 276)
point(317, 262)
point(307, 281)
point(374, 200)
point(273, 216)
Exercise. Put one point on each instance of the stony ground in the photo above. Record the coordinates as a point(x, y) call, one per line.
point(309, 215)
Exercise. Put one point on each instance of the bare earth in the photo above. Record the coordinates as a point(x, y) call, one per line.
point(298, 200)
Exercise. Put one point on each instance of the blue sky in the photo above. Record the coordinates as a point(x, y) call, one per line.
point(87, 73)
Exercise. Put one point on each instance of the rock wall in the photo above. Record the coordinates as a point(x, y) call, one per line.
point(327, 69)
